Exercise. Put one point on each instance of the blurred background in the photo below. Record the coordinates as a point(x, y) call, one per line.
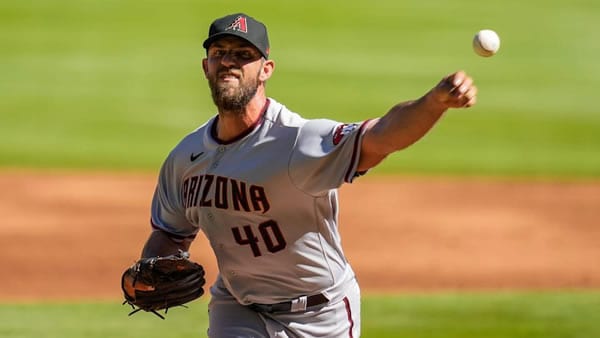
point(95, 93)
point(114, 84)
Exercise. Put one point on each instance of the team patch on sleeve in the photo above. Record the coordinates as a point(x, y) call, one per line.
point(342, 130)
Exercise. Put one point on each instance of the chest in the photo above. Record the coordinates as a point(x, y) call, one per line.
point(245, 178)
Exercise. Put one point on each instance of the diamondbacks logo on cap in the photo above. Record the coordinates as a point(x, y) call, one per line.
point(238, 25)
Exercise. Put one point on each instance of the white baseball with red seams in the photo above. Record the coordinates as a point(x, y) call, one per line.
point(486, 42)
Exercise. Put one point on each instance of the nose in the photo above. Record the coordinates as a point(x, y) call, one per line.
point(228, 59)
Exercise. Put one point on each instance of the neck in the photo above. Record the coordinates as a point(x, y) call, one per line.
point(231, 124)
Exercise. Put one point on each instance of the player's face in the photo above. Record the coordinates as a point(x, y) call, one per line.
point(232, 68)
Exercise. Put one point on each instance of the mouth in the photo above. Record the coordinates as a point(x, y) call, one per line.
point(228, 76)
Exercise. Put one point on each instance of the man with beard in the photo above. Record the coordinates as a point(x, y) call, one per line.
point(261, 183)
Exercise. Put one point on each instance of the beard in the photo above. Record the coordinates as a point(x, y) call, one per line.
point(228, 97)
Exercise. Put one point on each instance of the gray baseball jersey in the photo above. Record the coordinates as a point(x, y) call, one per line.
point(267, 201)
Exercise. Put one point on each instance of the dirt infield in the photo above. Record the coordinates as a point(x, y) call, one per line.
point(70, 235)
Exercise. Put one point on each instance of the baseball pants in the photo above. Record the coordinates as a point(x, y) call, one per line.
point(229, 319)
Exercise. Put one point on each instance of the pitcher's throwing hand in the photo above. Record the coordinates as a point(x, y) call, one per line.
point(455, 90)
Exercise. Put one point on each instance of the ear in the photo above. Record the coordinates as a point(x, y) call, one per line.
point(266, 70)
point(205, 66)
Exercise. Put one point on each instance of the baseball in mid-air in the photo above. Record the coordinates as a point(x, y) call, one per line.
point(486, 42)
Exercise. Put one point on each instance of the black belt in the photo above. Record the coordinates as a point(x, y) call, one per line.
point(313, 300)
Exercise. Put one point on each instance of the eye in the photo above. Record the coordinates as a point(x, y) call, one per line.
point(217, 53)
point(244, 55)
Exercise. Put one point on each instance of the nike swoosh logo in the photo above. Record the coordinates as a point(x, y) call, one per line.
point(194, 157)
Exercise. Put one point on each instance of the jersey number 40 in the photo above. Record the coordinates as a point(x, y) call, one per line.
point(269, 232)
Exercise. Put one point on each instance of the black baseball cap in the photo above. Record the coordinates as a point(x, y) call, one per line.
point(242, 26)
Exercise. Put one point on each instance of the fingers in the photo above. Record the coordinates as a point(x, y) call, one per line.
point(457, 90)
point(464, 91)
point(470, 96)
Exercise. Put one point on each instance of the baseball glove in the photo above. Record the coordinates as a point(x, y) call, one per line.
point(157, 283)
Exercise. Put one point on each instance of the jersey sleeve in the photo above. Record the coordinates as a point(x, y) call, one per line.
point(326, 155)
point(167, 212)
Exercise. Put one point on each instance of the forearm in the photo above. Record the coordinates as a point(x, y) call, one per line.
point(160, 244)
point(408, 122)
point(405, 124)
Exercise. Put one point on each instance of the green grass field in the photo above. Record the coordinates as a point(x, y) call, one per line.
point(115, 84)
point(498, 315)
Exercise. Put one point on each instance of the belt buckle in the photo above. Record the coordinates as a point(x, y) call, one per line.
point(299, 304)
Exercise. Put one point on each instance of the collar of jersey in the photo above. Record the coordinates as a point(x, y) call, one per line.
point(251, 128)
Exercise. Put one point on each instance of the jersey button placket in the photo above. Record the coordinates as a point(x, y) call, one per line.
point(220, 153)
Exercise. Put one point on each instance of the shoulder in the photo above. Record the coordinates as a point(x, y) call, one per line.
point(192, 143)
point(320, 126)
point(196, 136)
point(279, 115)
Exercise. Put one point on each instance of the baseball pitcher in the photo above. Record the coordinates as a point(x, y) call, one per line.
point(261, 183)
